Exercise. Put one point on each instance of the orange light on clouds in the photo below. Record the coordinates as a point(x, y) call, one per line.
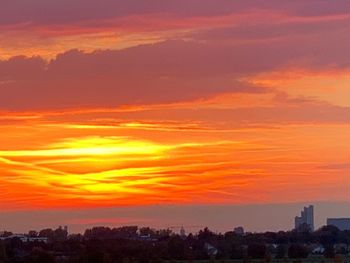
point(48, 162)
point(229, 103)
point(331, 86)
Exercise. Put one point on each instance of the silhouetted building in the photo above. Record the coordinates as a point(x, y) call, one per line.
point(182, 232)
point(341, 223)
point(239, 231)
point(25, 238)
point(211, 250)
point(306, 218)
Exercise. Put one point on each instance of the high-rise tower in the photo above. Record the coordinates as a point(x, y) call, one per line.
point(306, 218)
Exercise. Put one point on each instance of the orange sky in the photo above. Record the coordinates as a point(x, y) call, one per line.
point(226, 103)
point(83, 159)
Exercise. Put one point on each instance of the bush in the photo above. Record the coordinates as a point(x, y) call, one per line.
point(329, 251)
point(298, 251)
point(281, 251)
point(257, 251)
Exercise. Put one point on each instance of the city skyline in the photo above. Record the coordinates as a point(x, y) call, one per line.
point(223, 218)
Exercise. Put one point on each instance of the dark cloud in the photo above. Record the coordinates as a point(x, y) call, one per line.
point(72, 11)
point(173, 70)
point(75, 11)
point(166, 72)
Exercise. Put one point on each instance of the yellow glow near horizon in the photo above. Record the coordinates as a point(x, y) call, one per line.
point(53, 162)
point(91, 146)
point(103, 151)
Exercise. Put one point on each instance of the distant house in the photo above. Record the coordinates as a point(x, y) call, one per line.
point(239, 231)
point(147, 238)
point(25, 238)
point(341, 248)
point(318, 250)
point(211, 250)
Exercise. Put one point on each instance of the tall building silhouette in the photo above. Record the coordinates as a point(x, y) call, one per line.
point(306, 218)
point(340, 223)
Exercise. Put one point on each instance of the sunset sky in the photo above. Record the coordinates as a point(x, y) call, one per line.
point(143, 105)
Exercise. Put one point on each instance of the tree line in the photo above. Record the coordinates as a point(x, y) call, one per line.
point(146, 245)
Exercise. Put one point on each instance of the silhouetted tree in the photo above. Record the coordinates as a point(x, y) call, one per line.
point(298, 251)
point(60, 234)
point(256, 250)
point(176, 248)
point(124, 245)
point(39, 256)
point(281, 251)
point(33, 233)
point(329, 251)
point(6, 234)
point(3, 256)
point(48, 232)
point(205, 235)
point(328, 235)
point(237, 252)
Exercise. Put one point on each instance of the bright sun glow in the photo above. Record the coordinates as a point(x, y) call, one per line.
point(93, 146)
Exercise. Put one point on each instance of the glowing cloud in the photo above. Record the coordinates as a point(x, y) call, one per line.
point(121, 103)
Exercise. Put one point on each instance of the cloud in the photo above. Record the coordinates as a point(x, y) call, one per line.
point(228, 102)
point(67, 11)
point(38, 27)
point(166, 72)
point(265, 25)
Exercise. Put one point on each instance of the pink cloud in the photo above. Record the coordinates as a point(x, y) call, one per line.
point(166, 72)
point(67, 12)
